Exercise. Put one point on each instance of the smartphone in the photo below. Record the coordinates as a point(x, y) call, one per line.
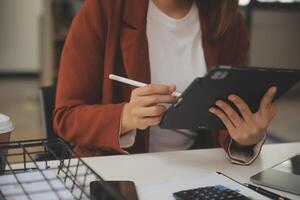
point(122, 190)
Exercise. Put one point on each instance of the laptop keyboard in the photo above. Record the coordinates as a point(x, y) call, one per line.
point(217, 192)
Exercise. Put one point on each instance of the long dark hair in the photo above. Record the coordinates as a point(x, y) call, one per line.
point(222, 14)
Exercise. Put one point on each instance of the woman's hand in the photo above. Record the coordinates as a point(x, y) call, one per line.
point(144, 108)
point(251, 127)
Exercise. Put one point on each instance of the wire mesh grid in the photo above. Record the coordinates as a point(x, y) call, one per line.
point(27, 174)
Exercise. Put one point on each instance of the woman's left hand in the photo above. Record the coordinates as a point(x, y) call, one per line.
point(251, 127)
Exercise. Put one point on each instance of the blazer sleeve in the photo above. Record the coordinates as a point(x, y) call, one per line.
point(79, 117)
point(235, 48)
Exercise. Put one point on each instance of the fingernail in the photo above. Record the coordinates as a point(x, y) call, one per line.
point(211, 110)
point(273, 89)
point(231, 97)
point(172, 88)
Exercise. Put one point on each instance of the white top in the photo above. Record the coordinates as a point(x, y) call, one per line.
point(5, 124)
point(176, 57)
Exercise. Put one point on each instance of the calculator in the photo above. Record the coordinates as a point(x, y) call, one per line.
point(217, 192)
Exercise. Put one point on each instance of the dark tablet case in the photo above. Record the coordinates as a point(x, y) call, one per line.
point(250, 83)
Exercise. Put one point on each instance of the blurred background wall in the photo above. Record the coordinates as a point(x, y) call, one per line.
point(19, 36)
point(275, 40)
point(32, 34)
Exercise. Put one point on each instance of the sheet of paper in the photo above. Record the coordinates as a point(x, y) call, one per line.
point(36, 185)
point(163, 190)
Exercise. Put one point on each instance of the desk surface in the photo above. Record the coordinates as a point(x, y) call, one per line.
point(163, 166)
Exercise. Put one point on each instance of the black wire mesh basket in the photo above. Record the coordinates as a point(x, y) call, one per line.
point(25, 176)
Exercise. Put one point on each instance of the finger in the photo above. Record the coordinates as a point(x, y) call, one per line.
point(232, 115)
point(153, 111)
point(268, 98)
point(243, 108)
point(148, 121)
point(152, 89)
point(273, 111)
point(156, 99)
point(221, 115)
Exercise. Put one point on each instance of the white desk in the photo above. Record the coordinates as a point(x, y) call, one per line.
point(163, 166)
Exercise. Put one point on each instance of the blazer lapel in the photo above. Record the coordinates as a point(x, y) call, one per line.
point(135, 54)
point(134, 42)
point(212, 49)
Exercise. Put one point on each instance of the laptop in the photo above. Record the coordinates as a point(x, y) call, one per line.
point(285, 176)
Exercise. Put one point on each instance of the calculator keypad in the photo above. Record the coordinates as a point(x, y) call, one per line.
point(217, 192)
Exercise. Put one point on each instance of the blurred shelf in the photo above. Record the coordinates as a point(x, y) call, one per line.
point(54, 26)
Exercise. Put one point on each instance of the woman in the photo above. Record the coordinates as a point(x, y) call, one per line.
point(176, 41)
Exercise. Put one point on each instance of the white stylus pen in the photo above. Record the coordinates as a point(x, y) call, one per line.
point(133, 83)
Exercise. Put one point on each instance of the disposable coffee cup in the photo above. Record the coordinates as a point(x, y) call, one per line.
point(6, 127)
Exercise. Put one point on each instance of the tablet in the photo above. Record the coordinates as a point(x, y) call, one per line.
point(191, 111)
point(284, 176)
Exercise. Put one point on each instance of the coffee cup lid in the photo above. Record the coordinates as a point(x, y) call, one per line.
point(5, 124)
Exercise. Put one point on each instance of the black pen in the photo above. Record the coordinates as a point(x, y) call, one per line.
point(266, 193)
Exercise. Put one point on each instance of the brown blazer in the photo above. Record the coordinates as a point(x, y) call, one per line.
point(109, 36)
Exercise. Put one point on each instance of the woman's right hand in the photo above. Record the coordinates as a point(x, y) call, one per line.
point(144, 108)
